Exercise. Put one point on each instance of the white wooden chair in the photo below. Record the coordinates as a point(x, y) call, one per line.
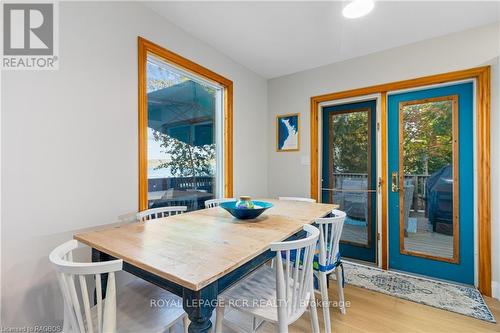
point(294, 199)
point(157, 213)
point(277, 295)
point(216, 202)
point(132, 313)
point(328, 260)
point(297, 199)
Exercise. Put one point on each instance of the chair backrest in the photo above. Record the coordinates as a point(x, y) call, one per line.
point(294, 274)
point(297, 199)
point(158, 213)
point(216, 202)
point(76, 319)
point(330, 232)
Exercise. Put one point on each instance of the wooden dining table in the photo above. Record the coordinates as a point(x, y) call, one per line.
point(197, 255)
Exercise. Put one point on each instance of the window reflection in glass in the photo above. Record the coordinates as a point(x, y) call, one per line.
point(182, 137)
point(428, 213)
point(349, 164)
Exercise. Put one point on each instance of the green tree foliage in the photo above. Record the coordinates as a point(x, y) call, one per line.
point(350, 142)
point(186, 160)
point(427, 144)
point(428, 138)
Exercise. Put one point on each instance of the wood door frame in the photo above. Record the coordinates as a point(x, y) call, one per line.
point(146, 47)
point(482, 77)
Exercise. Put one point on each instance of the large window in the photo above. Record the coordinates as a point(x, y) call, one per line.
point(184, 133)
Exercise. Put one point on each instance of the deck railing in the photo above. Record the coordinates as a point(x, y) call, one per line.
point(206, 184)
point(418, 181)
point(203, 183)
point(419, 194)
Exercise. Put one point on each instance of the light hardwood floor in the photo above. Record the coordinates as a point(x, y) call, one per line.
point(374, 312)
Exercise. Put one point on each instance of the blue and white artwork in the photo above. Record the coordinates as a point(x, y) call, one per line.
point(287, 128)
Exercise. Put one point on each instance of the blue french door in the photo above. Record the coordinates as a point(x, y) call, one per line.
point(349, 174)
point(431, 189)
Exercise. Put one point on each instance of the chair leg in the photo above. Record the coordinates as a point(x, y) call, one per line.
point(257, 324)
point(254, 324)
point(282, 319)
point(340, 288)
point(325, 304)
point(185, 322)
point(282, 327)
point(313, 311)
point(219, 317)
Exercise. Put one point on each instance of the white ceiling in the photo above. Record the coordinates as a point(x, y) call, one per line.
point(280, 38)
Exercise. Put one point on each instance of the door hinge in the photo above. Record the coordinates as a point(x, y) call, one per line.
point(378, 236)
point(378, 126)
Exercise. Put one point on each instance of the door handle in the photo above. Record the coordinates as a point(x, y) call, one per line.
point(395, 181)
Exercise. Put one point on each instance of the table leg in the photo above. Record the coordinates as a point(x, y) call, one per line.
point(199, 306)
point(98, 256)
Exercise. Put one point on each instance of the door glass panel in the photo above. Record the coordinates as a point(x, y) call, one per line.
point(183, 143)
point(428, 178)
point(349, 165)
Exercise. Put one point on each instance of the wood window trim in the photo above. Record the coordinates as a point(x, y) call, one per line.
point(146, 47)
point(482, 75)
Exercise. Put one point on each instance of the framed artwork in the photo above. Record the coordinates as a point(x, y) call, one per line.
point(287, 132)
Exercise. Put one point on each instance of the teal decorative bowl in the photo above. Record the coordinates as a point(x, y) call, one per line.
point(246, 213)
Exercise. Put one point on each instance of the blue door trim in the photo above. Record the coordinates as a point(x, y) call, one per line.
point(463, 271)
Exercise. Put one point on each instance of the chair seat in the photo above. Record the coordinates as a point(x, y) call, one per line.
point(144, 307)
point(256, 295)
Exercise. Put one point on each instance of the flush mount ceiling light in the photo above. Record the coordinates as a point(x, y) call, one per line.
point(358, 8)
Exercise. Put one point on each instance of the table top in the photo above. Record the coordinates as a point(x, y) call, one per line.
point(196, 248)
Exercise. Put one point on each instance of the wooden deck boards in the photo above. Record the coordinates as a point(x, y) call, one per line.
point(424, 240)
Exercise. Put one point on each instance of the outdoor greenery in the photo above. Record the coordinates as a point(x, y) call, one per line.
point(185, 160)
point(427, 137)
point(427, 145)
point(350, 142)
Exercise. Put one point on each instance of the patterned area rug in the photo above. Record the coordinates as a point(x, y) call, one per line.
point(452, 297)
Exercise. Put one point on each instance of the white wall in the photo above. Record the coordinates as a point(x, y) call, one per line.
point(69, 142)
point(290, 94)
